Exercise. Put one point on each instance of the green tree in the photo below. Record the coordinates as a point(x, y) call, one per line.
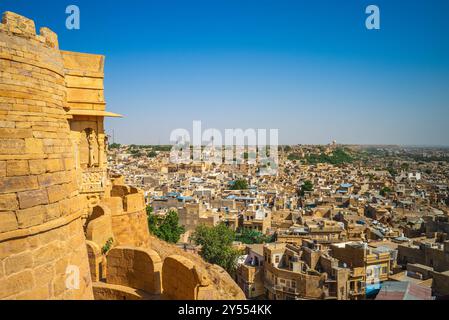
point(216, 245)
point(307, 186)
point(248, 236)
point(162, 148)
point(339, 156)
point(240, 184)
point(384, 191)
point(152, 154)
point(293, 156)
point(114, 146)
point(166, 228)
point(392, 171)
point(136, 152)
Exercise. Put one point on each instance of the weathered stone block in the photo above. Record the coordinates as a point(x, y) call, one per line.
point(134, 202)
point(8, 133)
point(12, 146)
point(17, 168)
point(8, 202)
point(54, 165)
point(53, 211)
point(37, 166)
point(34, 146)
point(44, 274)
point(7, 124)
point(46, 253)
point(31, 217)
point(28, 199)
point(8, 221)
point(16, 184)
point(18, 262)
point(50, 179)
point(19, 24)
point(38, 293)
point(56, 193)
point(14, 246)
point(51, 38)
point(16, 283)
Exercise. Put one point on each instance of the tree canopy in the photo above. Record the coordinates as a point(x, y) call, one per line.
point(293, 156)
point(306, 187)
point(240, 184)
point(114, 146)
point(248, 236)
point(216, 245)
point(152, 154)
point(384, 191)
point(166, 228)
point(339, 156)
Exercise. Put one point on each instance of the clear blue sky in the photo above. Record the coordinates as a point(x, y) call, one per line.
point(308, 68)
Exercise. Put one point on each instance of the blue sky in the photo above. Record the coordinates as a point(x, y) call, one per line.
point(308, 68)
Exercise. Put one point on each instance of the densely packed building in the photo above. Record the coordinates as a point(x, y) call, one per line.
point(345, 221)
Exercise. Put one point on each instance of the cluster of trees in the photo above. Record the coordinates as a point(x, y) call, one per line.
point(293, 156)
point(307, 186)
point(114, 145)
point(240, 184)
point(421, 158)
point(216, 241)
point(216, 244)
point(252, 237)
point(162, 148)
point(136, 152)
point(152, 154)
point(384, 191)
point(166, 228)
point(392, 171)
point(339, 156)
point(152, 147)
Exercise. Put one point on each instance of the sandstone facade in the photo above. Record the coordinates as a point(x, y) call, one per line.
point(40, 226)
point(58, 205)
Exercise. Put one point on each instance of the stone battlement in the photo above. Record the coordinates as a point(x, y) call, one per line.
point(24, 27)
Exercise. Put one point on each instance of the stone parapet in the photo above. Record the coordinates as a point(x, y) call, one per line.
point(41, 234)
